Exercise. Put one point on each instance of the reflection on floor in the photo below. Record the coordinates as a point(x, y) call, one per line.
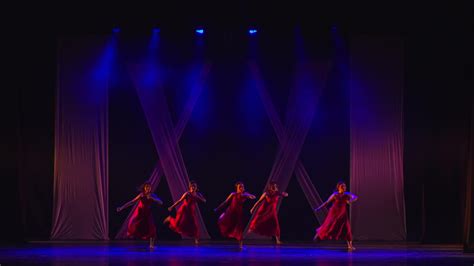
point(227, 253)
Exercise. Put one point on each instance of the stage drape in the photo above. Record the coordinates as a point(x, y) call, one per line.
point(147, 81)
point(376, 136)
point(309, 190)
point(80, 206)
point(309, 81)
point(157, 173)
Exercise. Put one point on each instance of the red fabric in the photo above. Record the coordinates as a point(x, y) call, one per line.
point(186, 221)
point(336, 226)
point(81, 139)
point(376, 138)
point(231, 222)
point(265, 221)
point(141, 223)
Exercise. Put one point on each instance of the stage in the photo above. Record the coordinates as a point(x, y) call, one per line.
point(228, 253)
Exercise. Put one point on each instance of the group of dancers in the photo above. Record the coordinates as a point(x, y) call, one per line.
point(231, 222)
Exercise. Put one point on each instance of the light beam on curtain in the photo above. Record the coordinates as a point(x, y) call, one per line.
point(376, 136)
point(80, 200)
point(157, 172)
point(152, 97)
point(309, 81)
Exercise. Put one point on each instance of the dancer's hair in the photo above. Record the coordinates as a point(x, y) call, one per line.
point(339, 184)
point(191, 183)
point(271, 184)
point(142, 187)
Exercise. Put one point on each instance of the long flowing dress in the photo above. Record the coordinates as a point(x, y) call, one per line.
point(231, 222)
point(265, 221)
point(185, 222)
point(336, 226)
point(141, 224)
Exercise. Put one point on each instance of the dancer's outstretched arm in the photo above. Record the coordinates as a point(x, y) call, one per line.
point(248, 195)
point(130, 203)
point(258, 202)
point(200, 197)
point(156, 199)
point(331, 198)
point(178, 202)
point(225, 202)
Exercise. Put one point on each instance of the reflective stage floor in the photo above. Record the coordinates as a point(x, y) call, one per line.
point(228, 253)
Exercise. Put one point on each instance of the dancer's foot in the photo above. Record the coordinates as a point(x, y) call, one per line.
point(351, 248)
point(196, 241)
point(278, 241)
point(152, 243)
point(241, 244)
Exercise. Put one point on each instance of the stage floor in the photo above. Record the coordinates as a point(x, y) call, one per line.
point(227, 253)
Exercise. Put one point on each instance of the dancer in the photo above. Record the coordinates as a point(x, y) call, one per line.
point(185, 222)
point(336, 225)
point(231, 222)
point(265, 221)
point(141, 223)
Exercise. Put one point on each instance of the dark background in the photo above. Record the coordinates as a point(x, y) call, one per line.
point(437, 110)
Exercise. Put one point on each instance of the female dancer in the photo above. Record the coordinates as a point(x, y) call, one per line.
point(185, 222)
point(141, 223)
point(336, 225)
point(231, 222)
point(265, 221)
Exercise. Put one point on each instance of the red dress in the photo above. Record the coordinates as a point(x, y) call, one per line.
point(141, 223)
point(265, 221)
point(231, 222)
point(336, 225)
point(185, 222)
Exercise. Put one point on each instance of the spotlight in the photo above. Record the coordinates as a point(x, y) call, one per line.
point(156, 30)
point(252, 31)
point(116, 30)
point(200, 31)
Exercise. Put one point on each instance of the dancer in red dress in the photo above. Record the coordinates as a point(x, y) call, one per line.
point(265, 221)
point(231, 222)
point(141, 223)
point(186, 221)
point(336, 225)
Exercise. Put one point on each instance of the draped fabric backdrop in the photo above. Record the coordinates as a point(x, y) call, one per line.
point(304, 180)
point(147, 81)
point(309, 81)
point(80, 207)
point(376, 135)
point(157, 173)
